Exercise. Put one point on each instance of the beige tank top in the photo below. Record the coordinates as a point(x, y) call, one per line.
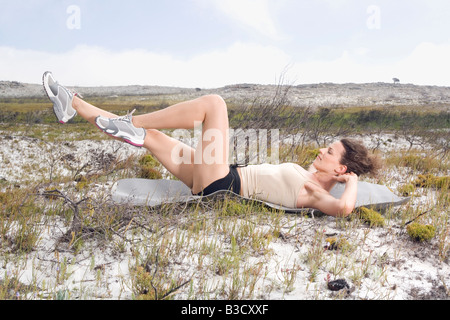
point(278, 184)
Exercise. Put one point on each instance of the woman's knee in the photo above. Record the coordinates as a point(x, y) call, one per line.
point(152, 138)
point(153, 133)
point(215, 102)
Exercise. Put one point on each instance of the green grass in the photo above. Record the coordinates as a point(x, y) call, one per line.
point(38, 110)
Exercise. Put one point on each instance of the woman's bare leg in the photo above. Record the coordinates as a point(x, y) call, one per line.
point(159, 144)
point(209, 161)
point(89, 112)
point(211, 154)
point(168, 150)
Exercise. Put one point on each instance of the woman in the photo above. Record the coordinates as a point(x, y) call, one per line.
point(286, 184)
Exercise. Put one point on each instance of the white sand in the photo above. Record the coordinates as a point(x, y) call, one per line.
point(397, 268)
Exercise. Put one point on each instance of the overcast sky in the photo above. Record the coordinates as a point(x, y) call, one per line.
point(212, 43)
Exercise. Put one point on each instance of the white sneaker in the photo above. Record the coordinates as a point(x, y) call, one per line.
point(122, 127)
point(60, 96)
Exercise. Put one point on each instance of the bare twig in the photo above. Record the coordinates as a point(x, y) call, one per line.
point(76, 222)
point(171, 291)
point(423, 213)
point(154, 274)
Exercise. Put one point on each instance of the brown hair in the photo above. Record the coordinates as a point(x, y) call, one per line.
point(357, 158)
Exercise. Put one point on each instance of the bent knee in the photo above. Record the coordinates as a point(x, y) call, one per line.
point(153, 133)
point(153, 137)
point(214, 101)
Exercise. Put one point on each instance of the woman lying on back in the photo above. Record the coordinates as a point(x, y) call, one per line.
point(286, 184)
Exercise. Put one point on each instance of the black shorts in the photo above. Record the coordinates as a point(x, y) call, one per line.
point(231, 182)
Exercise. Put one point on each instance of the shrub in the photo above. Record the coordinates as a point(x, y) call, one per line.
point(431, 181)
point(420, 232)
point(82, 183)
point(149, 167)
point(337, 243)
point(149, 173)
point(148, 160)
point(414, 161)
point(406, 190)
point(371, 217)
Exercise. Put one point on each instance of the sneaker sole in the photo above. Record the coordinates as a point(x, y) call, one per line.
point(135, 144)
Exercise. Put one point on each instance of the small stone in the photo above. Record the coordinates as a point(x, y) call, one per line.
point(337, 285)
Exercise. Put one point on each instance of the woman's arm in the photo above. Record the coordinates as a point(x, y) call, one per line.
point(326, 203)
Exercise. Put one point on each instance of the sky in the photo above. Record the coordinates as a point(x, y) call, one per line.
point(214, 43)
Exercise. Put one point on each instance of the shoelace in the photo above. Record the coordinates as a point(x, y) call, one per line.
point(75, 94)
point(127, 117)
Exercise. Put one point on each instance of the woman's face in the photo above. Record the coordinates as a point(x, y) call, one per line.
point(329, 159)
